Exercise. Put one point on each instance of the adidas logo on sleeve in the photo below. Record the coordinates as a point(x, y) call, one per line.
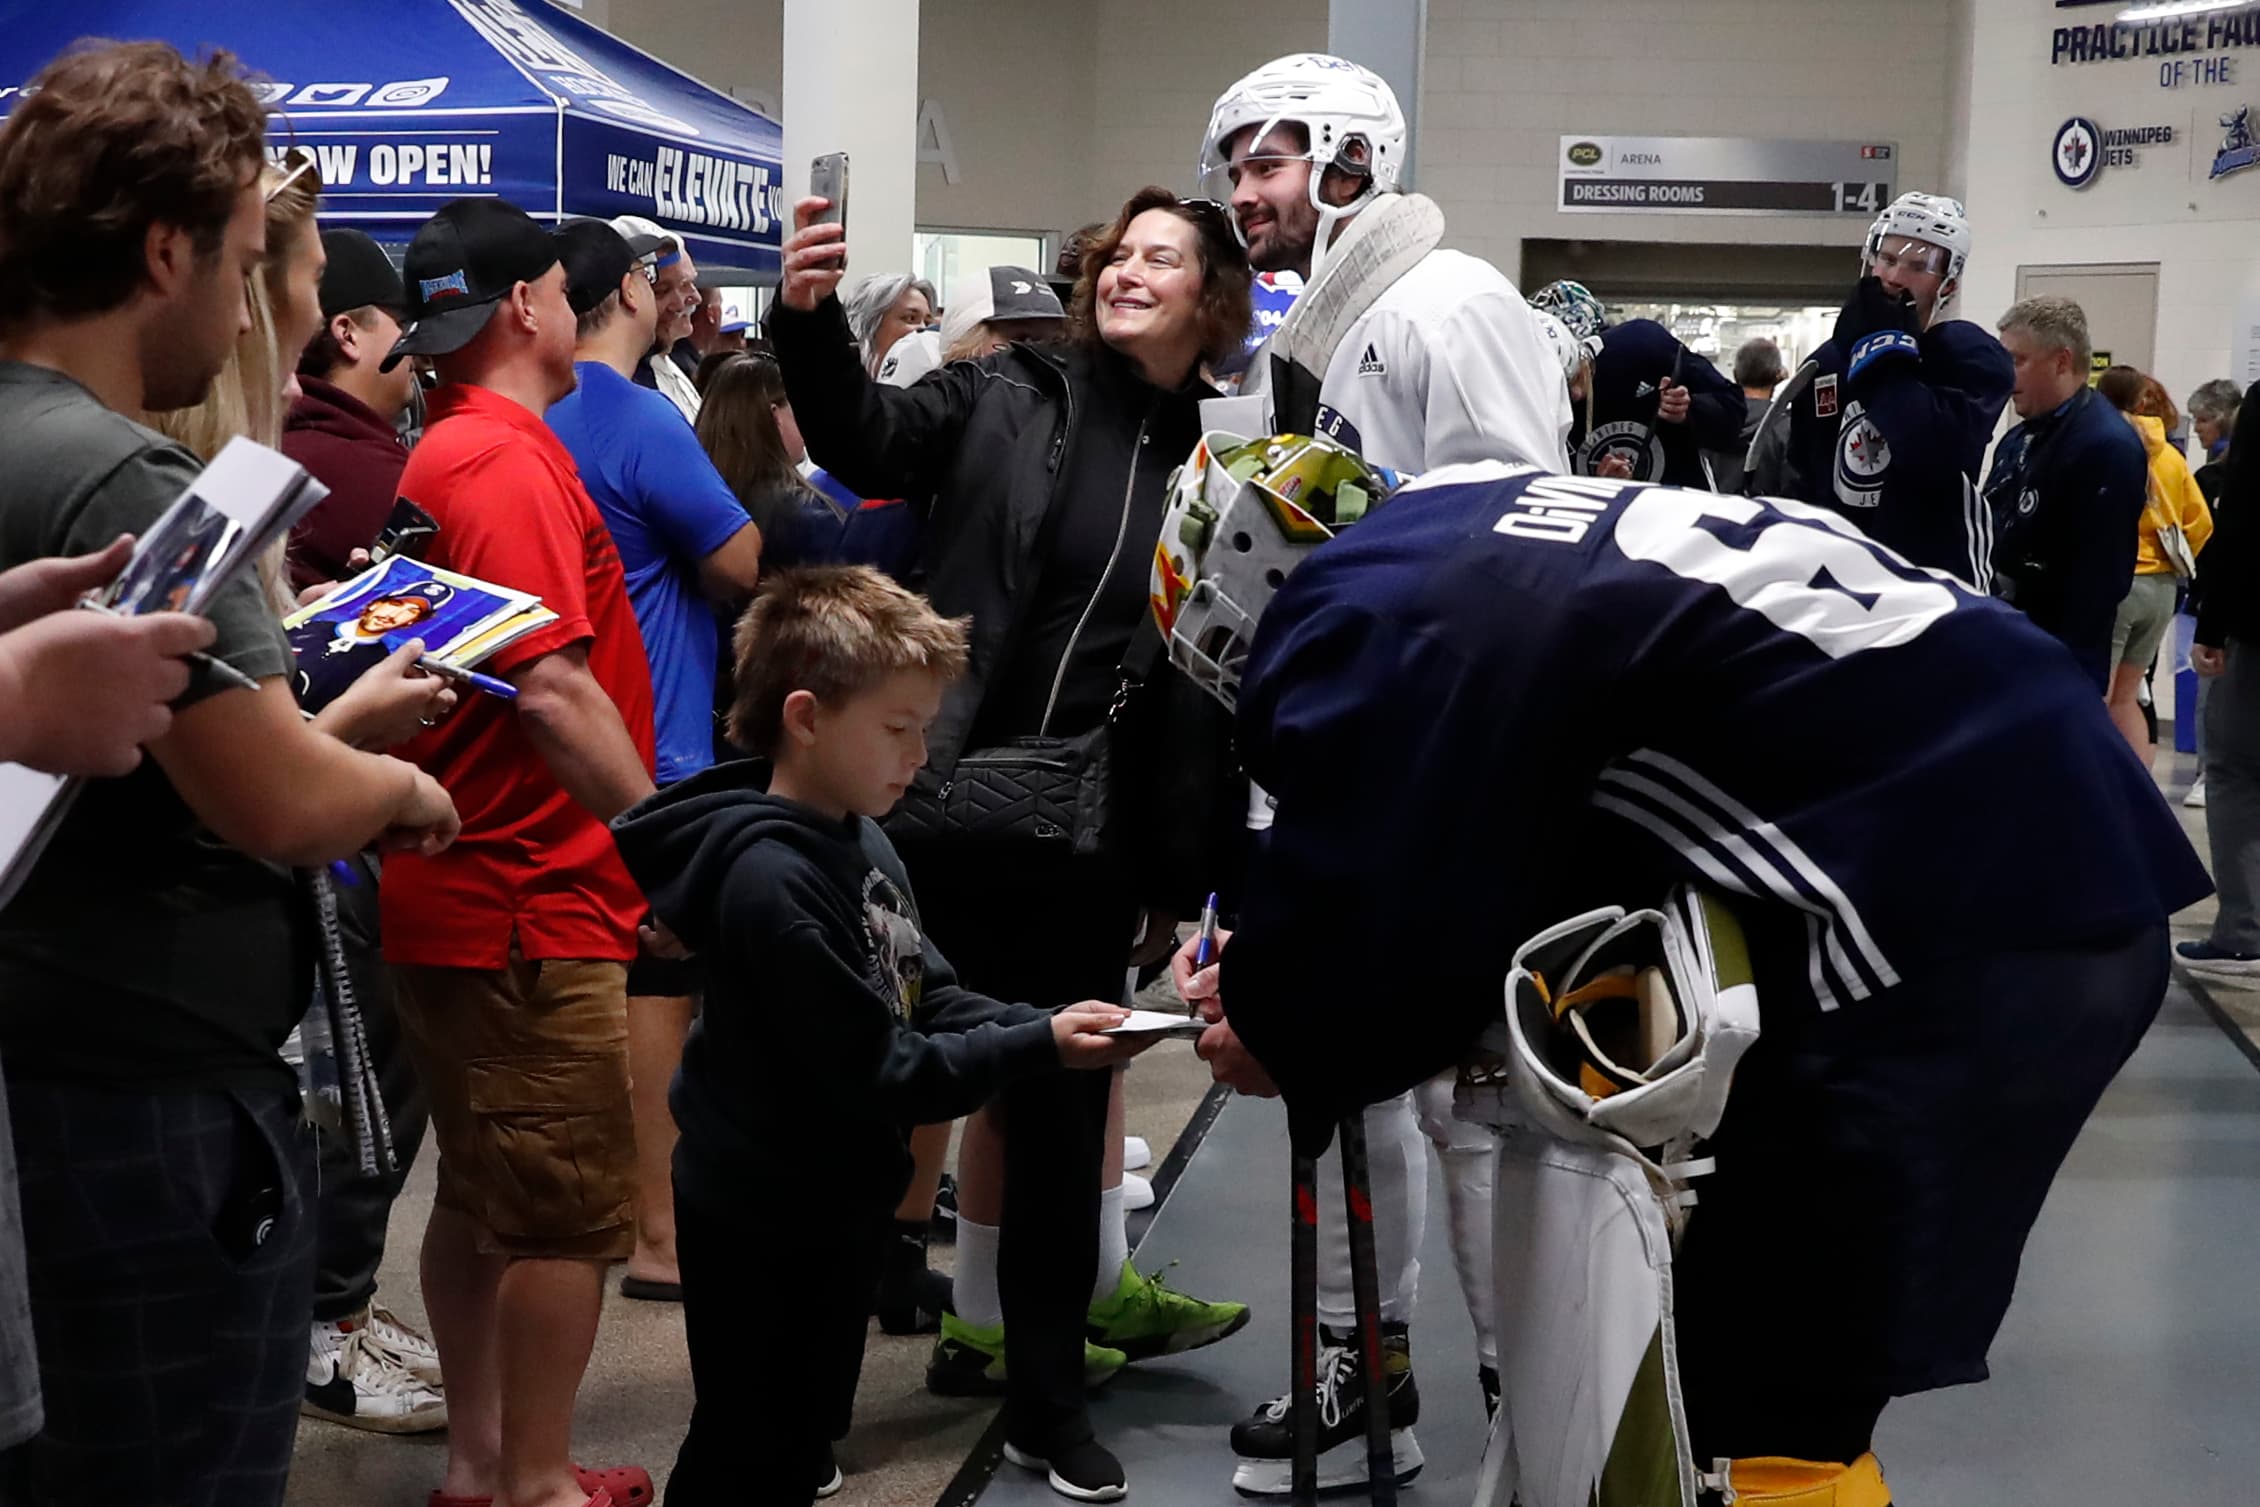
point(1370, 364)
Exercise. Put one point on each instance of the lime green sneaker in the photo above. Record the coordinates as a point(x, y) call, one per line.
point(969, 1362)
point(1146, 1317)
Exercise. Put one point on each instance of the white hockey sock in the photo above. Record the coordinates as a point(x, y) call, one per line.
point(974, 1286)
point(1114, 1245)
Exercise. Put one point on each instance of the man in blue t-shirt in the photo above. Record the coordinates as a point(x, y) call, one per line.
point(685, 544)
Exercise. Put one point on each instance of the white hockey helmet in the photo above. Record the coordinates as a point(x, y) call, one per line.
point(1348, 112)
point(1933, 219)
point(1241, 515)
point(1570, 351)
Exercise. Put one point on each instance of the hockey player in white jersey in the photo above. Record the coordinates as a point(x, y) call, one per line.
point(1413, 356)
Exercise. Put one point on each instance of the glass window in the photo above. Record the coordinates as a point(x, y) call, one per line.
point(1717, 330)
point(950, 258)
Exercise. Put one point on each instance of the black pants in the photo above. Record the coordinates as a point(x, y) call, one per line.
point(1879, 1168)
point(762, 1417)
point(171, 1259)
point(353, 1210)
point(1038, 929)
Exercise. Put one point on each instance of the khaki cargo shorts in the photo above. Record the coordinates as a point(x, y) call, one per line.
point(526, 1068)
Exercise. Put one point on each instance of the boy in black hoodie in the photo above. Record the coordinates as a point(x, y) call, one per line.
point(831, 1025)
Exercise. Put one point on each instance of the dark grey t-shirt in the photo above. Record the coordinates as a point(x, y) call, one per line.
point(141, 953)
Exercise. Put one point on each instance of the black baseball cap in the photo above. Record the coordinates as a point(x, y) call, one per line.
point(358, 274)
point(596, 258)
point(464, 260)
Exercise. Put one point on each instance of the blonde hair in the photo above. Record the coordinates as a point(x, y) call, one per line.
point(246, 398)
point(834, 631)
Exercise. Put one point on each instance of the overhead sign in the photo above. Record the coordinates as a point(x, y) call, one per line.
point(1724, 175)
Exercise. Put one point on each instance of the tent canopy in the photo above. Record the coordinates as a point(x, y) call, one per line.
point(410, 103)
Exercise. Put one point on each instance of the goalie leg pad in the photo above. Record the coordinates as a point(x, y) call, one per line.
point(1774, 1481)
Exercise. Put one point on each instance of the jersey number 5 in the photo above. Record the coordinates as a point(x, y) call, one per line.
point(1839, 593)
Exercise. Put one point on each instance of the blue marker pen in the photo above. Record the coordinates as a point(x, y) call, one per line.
point(471, 678)
point(1204, 952)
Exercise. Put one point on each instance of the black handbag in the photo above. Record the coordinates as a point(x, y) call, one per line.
point(1056, 792)
point(1051, 791)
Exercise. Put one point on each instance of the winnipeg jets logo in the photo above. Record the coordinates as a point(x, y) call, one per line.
point(2077, 152)
point(1862, 456)
point(1370, 364)
point(1636, 445)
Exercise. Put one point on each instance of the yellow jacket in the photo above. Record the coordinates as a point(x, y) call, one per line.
point(2174, 498)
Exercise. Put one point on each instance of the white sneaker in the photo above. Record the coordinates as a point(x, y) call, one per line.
point(1137, 1193)
point(351, 1382)
point(2196, 797)
point(409, 1349)
point(1136, 1153)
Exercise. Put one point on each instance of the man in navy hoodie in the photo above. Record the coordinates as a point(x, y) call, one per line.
point(832, 1024)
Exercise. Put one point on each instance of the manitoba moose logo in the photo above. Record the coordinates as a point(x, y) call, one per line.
point(2238, 151)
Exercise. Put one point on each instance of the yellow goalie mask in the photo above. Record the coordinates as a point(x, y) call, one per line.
point(1241, 515)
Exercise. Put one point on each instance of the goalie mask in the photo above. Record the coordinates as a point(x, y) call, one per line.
point(1241, 515)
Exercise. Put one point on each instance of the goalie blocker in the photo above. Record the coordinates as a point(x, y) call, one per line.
point(1952, 876)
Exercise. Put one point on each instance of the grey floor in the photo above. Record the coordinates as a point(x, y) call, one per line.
point(1225, 1224)
point(2128, 1370)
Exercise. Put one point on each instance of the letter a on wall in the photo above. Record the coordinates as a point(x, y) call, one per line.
point(934, 144)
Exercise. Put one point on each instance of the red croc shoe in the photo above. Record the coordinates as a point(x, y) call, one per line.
point(616, 1486)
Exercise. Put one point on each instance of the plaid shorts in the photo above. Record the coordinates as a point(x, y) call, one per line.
point(170, 1244)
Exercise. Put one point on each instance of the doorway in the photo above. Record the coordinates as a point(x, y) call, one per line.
point(2119, 298)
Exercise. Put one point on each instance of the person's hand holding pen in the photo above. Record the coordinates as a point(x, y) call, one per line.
point(390, 703)
point(1194, 971)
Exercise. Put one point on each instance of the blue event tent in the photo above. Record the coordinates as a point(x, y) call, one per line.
point(410, 103)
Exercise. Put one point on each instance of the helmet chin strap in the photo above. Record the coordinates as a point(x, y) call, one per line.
point(1330, 218)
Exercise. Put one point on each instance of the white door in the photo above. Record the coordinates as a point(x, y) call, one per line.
point(2121, 301)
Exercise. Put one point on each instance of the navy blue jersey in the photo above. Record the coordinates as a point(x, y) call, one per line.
point(1508, 697)
point(1636, 358)
point(1893, 436)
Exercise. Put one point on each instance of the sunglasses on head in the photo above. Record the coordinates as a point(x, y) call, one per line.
point(296, 164)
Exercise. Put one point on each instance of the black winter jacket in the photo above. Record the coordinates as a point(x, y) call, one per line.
point(989, 444)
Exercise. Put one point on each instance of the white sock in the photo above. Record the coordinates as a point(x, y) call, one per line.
point(974, 1284)
point(1114, 1245)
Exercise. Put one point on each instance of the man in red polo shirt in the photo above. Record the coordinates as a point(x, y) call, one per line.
point(513, 952)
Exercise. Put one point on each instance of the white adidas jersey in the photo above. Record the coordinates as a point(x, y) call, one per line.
point(1447, 366)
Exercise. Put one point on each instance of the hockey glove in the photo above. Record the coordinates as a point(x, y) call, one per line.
point(1873, 309)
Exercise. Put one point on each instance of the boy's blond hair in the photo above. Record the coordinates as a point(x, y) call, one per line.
point(834, 631)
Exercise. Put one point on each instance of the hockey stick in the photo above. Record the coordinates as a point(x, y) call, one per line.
point(1303, 1272)
point(1787, 394)
point(1365, 1287)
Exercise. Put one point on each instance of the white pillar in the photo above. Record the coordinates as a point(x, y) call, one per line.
point(851, 85)
point(1387, 36)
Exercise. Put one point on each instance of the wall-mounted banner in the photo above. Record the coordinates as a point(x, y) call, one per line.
point(2082, 148)
point(1724, 175)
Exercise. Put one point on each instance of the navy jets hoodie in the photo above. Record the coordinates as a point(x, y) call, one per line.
point(831, 1023)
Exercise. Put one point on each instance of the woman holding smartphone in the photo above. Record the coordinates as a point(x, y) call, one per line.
point(1045, 469)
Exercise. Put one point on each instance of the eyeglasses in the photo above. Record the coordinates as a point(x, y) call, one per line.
point(296, 164)
point(1210, 209)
